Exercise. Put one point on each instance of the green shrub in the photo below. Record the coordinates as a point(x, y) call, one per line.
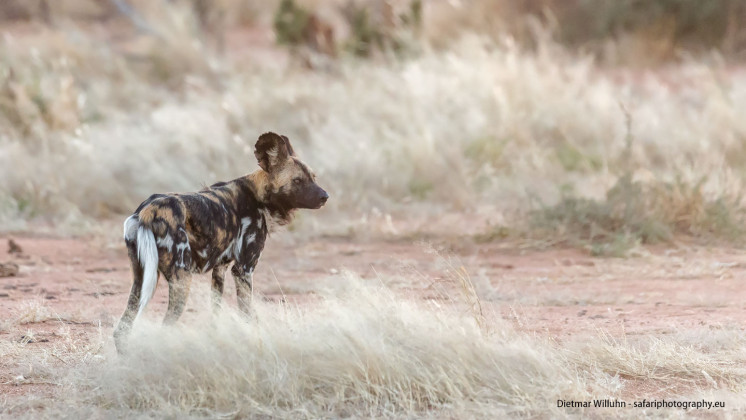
point(290, 23)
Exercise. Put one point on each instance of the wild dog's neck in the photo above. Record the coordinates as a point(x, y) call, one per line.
point(277, 212)
point(258, 183)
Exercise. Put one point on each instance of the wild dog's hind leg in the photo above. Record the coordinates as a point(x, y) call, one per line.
point(243, 280)
point(178, 292)
point(125, 323)
point(179, 278)
point(218, 279)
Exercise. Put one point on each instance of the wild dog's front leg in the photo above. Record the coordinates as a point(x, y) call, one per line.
point(178, 292)
point(243, 280)
point(218, 279)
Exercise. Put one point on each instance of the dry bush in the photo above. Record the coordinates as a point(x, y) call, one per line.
point(16, 10)
point(381, 27)
point(661, 28)
point(216, 15)
point(634, 213)
point(360, 28)
point(631, 32)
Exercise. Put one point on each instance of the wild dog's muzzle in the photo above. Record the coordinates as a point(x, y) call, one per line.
point(317, 197)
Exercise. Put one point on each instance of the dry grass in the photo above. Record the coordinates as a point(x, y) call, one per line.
point(379, 356)
point(90, 127)
point(471, 129)
point(33, 311)
point(29, 312)
point(363, 350)
point(658, 360)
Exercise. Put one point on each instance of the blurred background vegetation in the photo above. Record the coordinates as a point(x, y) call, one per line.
point(601, 123)
point(612, 30)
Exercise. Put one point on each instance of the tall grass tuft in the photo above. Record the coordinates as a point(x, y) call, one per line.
point(359, 352)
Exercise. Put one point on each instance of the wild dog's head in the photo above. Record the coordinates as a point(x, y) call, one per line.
point(290, 183)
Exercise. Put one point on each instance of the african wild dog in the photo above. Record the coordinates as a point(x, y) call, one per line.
point(178, 234)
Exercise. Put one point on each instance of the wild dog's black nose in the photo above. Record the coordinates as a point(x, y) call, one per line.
point(323, 197)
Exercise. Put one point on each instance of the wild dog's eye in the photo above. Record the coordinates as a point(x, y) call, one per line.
point(297, 181)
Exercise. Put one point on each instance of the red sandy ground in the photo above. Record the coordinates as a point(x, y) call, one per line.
point(562, 293)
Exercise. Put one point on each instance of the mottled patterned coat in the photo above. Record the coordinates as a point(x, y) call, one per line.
point(179, 234)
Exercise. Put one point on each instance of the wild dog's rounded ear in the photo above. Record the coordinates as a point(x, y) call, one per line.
point(291, 152)
point(270, 150)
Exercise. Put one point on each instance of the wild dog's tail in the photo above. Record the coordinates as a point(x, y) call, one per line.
point(147, 253)
point(135, 231)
